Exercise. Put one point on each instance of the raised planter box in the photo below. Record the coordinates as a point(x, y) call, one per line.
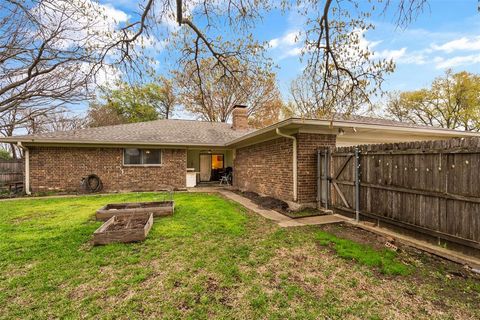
point(132, 228)
point(158, 208)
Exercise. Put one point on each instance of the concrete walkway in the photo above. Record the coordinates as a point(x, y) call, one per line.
point(250, 205)
point(280, 219)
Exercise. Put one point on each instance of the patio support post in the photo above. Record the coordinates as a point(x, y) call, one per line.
point(26, 155)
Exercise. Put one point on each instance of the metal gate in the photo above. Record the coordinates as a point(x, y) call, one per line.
point(323, 176)
point(328, 190)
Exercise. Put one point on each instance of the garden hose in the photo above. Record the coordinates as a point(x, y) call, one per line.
point(92, 183)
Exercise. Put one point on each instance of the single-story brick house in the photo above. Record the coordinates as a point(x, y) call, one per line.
point(278, 160)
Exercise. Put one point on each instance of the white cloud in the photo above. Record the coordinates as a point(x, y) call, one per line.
point(85, 23)
point(291, 38)
point(442, 63)
point(461, 44)
point(149, 42)
point(274, 43)
point(413, 58)
point(288, 44)
point(296, 51)
point(287, 40)
point(115, 14)
point(107, 76)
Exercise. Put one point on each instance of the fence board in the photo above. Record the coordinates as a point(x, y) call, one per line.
point(432, 185)
point(10, 171)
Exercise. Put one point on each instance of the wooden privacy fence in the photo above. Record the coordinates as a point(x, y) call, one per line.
point(431, 187)
point(10, 171)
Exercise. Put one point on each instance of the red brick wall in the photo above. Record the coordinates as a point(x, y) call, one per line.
point(265, 168)
point(307, 146)
point(59, 168)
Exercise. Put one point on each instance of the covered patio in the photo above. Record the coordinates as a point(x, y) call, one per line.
point(208, 165)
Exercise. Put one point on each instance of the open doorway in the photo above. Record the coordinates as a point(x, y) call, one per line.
point(212, 166)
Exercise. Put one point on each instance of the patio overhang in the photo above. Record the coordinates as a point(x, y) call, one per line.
point(350, 132)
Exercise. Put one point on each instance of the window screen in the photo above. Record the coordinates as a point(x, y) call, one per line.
point(142, 156)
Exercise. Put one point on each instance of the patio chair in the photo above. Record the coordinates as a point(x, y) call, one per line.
point(226, 178)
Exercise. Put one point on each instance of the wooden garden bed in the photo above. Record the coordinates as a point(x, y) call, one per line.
point(126, 228)
point(158, 208)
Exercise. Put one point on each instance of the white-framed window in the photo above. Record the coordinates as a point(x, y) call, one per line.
point(142, 157)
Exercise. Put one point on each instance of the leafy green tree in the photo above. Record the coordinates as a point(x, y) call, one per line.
point(129, 103)
point(5, 155)
point(137, 103)
point(452, 101)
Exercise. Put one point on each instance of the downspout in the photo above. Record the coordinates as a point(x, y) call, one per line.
point(26, 154)
point(294, 161)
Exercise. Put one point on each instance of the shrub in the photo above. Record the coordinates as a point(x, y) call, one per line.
point(5, 155)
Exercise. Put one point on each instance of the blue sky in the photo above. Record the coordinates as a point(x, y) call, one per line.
point(446, 35)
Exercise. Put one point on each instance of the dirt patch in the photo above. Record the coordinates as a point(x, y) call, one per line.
point(271, 203)
point(346, 231)
point(128, 223)
point(265, 202)
point(443, 280)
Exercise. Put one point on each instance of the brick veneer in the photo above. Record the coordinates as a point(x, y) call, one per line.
point(265, 168)
point(307, 146)
point(61, 168)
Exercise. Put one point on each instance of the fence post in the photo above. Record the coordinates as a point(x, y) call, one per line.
point(319, 180)
point(357, 184)
point(327, 176)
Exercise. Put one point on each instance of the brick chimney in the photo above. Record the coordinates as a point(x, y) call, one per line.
point(240, 118)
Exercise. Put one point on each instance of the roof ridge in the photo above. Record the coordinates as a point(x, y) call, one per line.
point(133, 124)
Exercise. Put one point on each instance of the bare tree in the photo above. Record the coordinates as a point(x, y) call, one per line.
point(100, 115)
point(212, 96)
point(51, 50)
point(160, 94)
point(31, 120)
point(338, 58)
point(55, 121)
point(20, 117)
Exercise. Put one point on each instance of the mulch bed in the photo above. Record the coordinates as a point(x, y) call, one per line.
point(265, 202)
point(271, 203)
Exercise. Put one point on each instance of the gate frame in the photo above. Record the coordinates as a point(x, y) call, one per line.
point(324, 177)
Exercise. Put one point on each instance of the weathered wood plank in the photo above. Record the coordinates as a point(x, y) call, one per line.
point(432, 185)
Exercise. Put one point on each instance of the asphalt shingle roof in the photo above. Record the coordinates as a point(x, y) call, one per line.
point(181, 132)
point(377, 121)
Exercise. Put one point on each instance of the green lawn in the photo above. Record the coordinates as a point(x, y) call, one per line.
point(212, 259)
